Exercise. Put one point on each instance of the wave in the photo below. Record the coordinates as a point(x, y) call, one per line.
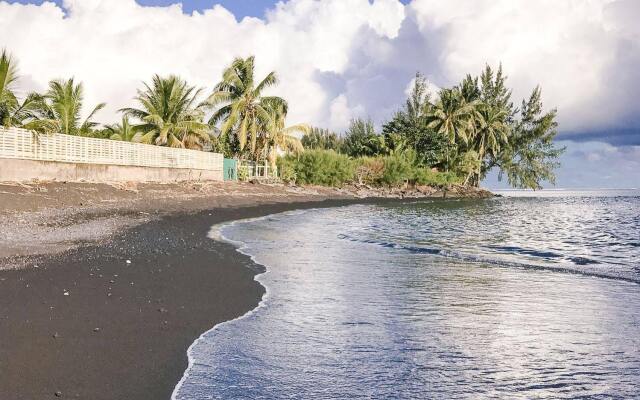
point(581, 261)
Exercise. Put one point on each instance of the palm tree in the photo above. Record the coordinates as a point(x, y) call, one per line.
point(8, 78)
point(168, 115)
point(59, 110)
point(491, 132)
point(453, 118)
point(123, 131)
point(243, 110)
point(279, 137)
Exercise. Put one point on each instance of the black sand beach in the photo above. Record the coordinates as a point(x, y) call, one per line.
point(84, 323)
point(123, 329)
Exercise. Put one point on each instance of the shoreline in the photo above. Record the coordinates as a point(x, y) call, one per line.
point(84, 323)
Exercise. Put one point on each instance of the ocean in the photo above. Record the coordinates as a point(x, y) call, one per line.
point(519, 297)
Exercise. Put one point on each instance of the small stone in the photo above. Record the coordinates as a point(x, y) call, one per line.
point(109, 294)
point(58, 394)
point(128, 261)
point(112, 281)
point(55, 335)
point(66, 293)
point(162, 310)
point(96, 329)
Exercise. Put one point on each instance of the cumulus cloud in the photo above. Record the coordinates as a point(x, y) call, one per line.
point(340, 59)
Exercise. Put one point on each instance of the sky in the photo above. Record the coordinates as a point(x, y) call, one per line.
point(341, 59)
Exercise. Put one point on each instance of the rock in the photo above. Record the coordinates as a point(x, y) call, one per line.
point(58, 394)
point(162, 310)
point(55, 335)
point(66, 293)
point(128, 262)
point(96, 329)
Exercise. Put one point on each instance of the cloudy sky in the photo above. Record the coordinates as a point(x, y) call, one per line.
point(340, 59)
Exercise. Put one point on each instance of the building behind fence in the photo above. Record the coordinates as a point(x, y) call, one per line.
point(117, 160)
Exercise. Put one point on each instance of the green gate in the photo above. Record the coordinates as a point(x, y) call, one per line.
point(230, 169)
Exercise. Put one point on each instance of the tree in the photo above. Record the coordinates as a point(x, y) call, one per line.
point(8, 78)
point(279, 137)
point(361, 140)
point(490, 135)
point(453, 118)
point(59, 110)
point(240, 105)
point(123, 131)
point(530, 155)
point(169, 115)
point(321, 139)
point(409, 127)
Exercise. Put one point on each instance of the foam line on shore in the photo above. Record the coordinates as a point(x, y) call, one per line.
point(215, 233)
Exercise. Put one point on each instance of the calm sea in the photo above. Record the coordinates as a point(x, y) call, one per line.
point(517, 297)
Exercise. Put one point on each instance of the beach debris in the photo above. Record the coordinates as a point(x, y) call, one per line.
point(58, 394)
point(96, 329)
point(66, 292)
point(128, 262)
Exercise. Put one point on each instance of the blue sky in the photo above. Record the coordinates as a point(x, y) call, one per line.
point(240, 8)
point(344, 59)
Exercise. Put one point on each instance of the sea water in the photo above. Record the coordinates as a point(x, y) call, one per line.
point(517, 297)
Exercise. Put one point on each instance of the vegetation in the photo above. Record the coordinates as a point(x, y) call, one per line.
point(168, 114)
point(329, 168)
point(456, 135)
point(321, 139)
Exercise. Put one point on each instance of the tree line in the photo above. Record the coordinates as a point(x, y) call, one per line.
point(235, 118)
point(467, 129)
point(463, 131)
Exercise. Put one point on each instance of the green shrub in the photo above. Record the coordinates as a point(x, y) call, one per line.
point(398, 169)
point(328, 168)
point(320, 167)
point(286, 169)
point(369, 170)
point(427, 177)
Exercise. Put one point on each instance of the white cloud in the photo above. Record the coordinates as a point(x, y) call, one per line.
point(339, 59)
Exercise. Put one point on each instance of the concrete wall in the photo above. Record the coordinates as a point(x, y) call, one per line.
point(16, 170)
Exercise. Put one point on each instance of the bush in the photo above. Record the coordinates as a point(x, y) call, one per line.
point(427, 177)
point(328, 168)
point(286, 169)
point(369, 170)
point(319, 167)
point(398, 169)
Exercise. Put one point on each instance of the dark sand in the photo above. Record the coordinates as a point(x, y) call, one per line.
point(123, 330)
point(132, 344)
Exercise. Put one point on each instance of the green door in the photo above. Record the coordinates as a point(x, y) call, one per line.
point(230, 168)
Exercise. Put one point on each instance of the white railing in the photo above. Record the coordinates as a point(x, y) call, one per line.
point(24, 144)
point(248, 170)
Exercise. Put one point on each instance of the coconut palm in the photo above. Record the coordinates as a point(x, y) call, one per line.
point(491, 132)
point(240, 105)
point(8, 78)
point(168, 115)
point(123, 131)
point(279, 137)
point(59, 110)
point(452, 117)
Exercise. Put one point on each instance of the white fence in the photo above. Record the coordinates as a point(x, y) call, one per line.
point(23, 144)
point(248, 170)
